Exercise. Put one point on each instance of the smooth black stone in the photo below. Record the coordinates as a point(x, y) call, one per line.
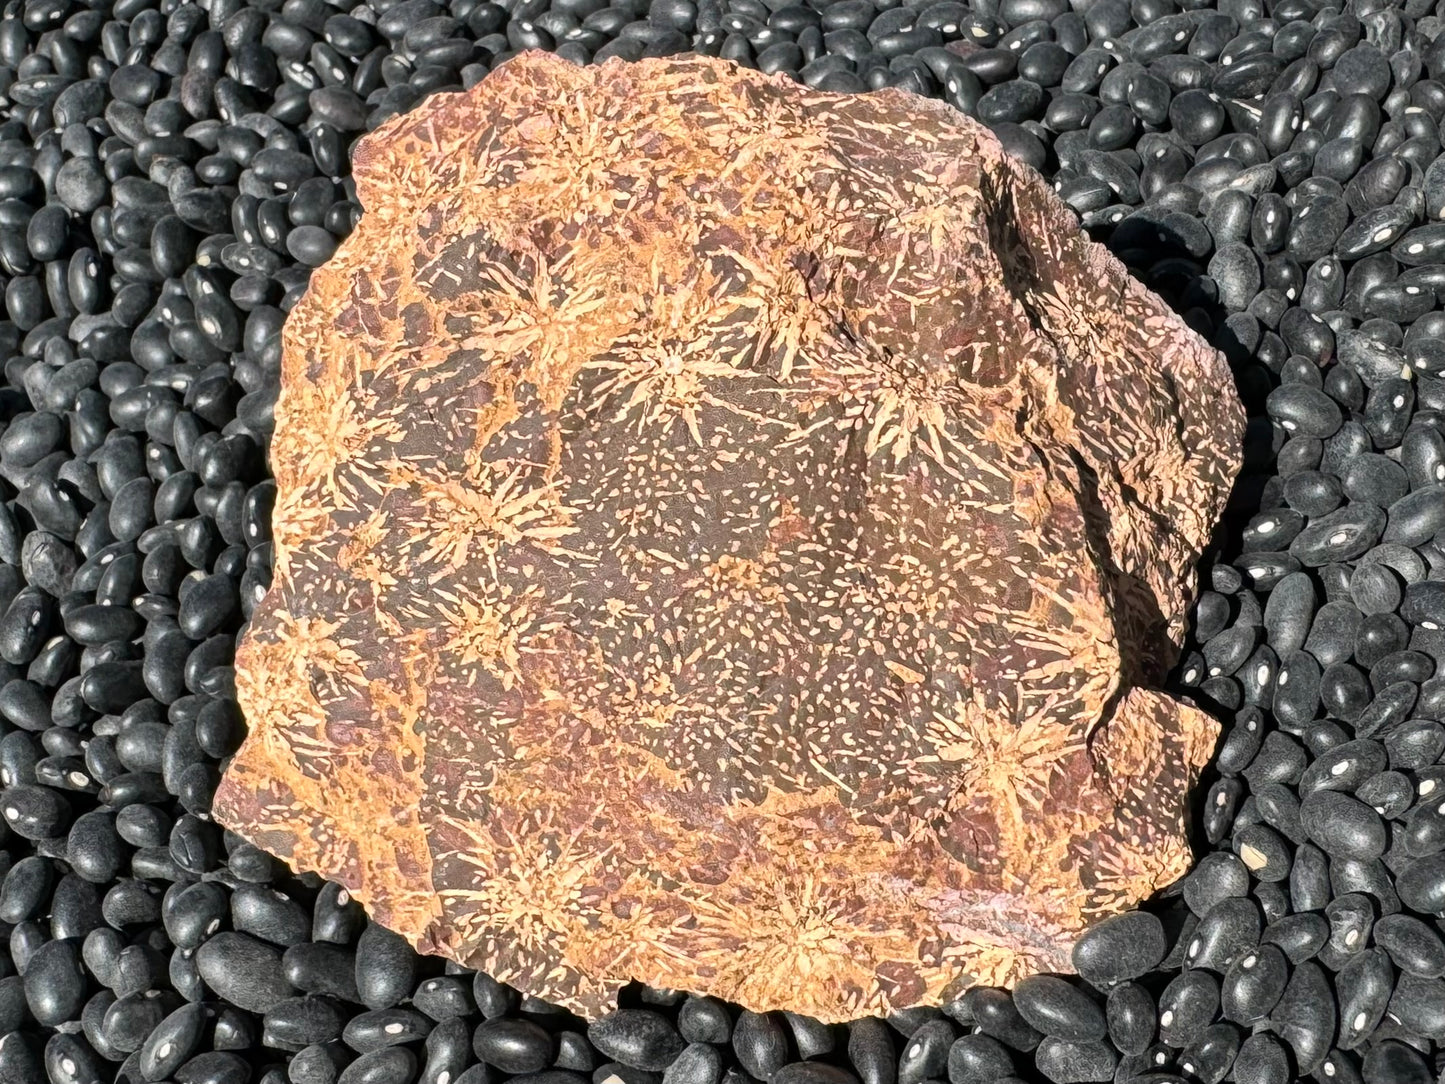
point(1067, 1062)
point(1187, 1006)
point(1391, 705)
point(1334, 632)
point(1416, 517)
point(55, 982)
point(393, 1065)
point(1123, 947)
point(207, 606)
point(1375, 589)
point(172, 1042)
point(1226, 652)
point(1057, 1008)
point(706, 1020)
point(300, 1021)
point(1304, 411)
point(1388, 793)
point(699, 1063)
point(1300, 936)
point(385, 968)
point(1380, 636)
point(1413, 946)
point(925, 1055)
point(243, 970)
point(513, 1045)
point(1277, 807)
point(35, 812)
point(1236, 272)
point(1342, 535)
point(1363, 985)
point(1392, 1062)
point(637, 1037)
point(1344, 766)
point(270, 915)
point(1015, 101)
point(129, 1020)
point(1316, 227)
point(1351, 915)
point(322, 968)
point(445, 998)
point(1211, 1056)
point(760, 1043)
point(1229, 929)
point(1342, 825)
point(1421, 885)
point(1217, 876)
point(1253, 984)
point(1419, 1004)
point(1424, 605)
point(1132, 1018)
point(1305, 1016)
point(1263, 850)
point(94, 848)
point(1374, 231)
point(1289, 611)
point(1296, 691)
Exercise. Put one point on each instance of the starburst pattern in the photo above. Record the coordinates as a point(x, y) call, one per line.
point(810, 928)
point(363, 555)
point(671, 367)
point(1012, 763)
point(900, 405)
point(484, 632)
point(528, 882)
point(457, 520)
point(343, 434)
point(540, 312)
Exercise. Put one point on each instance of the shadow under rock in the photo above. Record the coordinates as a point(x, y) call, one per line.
point(1170, 258)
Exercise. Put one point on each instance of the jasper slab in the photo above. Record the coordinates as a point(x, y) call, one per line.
point(728, 536)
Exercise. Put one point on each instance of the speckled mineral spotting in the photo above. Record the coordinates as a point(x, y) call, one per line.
point(725, 533)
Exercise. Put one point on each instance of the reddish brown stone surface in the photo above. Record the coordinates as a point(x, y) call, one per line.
point(726, 534)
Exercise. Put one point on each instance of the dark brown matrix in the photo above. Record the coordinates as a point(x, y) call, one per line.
point(725, 537)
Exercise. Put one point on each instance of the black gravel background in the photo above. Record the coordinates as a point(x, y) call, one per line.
point(168, 175)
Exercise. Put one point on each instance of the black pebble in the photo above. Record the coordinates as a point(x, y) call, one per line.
point(1132, 1017)
point(385, 967)
point(513, 1045)
point(637, 1037)
point(1123, 947)
point(760, 1043)
point(1305, 1016)
point(243, 970)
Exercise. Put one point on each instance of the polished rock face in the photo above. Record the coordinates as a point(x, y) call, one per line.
point(726, 535)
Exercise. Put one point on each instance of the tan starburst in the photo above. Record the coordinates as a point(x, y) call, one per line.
point(457, 519)
point(361, 556)
point(900, 403)
point(807, 931)
point(541, 316)
point(483, 631)
point(309, 646)
point(528, 883)
point(336, 429)
point(1013, 762)
point(674, 363)
point(299, 522)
